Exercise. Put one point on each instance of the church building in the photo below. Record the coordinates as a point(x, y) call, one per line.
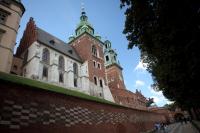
point(85, 63)
point(77, 65)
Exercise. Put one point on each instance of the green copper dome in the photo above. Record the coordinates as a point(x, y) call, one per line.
point(110, 54)
point(84, 25)
point(107, 44)
point(98, 36)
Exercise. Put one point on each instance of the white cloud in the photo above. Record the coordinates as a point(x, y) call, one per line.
point(139, 83)
point(141, 66)
point(158, 97)
point(160, 100)
point(169, 102)
point(158, 93)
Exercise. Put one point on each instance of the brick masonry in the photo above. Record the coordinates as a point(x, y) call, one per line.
point(120, 94)
point(29, 110)
point(113, 75)
point(29, 36)
point(83, 46)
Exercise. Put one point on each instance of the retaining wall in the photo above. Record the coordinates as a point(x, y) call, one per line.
point(25, 109)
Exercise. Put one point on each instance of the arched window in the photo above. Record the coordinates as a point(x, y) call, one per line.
point(45, 72)
point(101, 83)
point(61, 63)
point(95, 80)
point(99, 65)
point(94, 50)
point(45, 56)
point(107, 58)
point(61, 78)
point(75, 68)
point(106, 46)
point(75, 82)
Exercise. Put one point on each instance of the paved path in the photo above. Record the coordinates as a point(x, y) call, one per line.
point(180, 128)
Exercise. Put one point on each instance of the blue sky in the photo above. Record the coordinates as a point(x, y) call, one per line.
point(60, 18)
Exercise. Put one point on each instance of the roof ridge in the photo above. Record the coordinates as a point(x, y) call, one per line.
point(59, 45)
point(51, 35)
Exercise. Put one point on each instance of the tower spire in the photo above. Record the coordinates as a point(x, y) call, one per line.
point(83, 13)
point(84, 25)
point(82, 9)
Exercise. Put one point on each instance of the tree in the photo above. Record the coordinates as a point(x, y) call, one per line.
point(167, 32)
point(171, 107)
point(150, 102)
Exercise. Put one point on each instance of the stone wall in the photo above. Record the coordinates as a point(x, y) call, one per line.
point(8, 32)
point(25, 109)
point(16, 66)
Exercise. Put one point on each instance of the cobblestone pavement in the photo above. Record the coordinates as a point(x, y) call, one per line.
point(180, 128)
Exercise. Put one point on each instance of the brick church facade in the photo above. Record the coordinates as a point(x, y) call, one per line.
point(116, 82)
point(85, 63)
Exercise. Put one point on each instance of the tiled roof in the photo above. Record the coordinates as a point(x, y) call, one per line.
point(57, 44)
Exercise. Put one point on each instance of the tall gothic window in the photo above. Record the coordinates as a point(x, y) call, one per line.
point(94, 50)
point(95, 80)
point(75, 68)
point(101, 83)
point(45, 56)
point(75, 82)
point(61, 77)
point(45, 72)
point(61, 63)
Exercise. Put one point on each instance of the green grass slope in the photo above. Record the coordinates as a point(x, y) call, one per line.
point(49, 87)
